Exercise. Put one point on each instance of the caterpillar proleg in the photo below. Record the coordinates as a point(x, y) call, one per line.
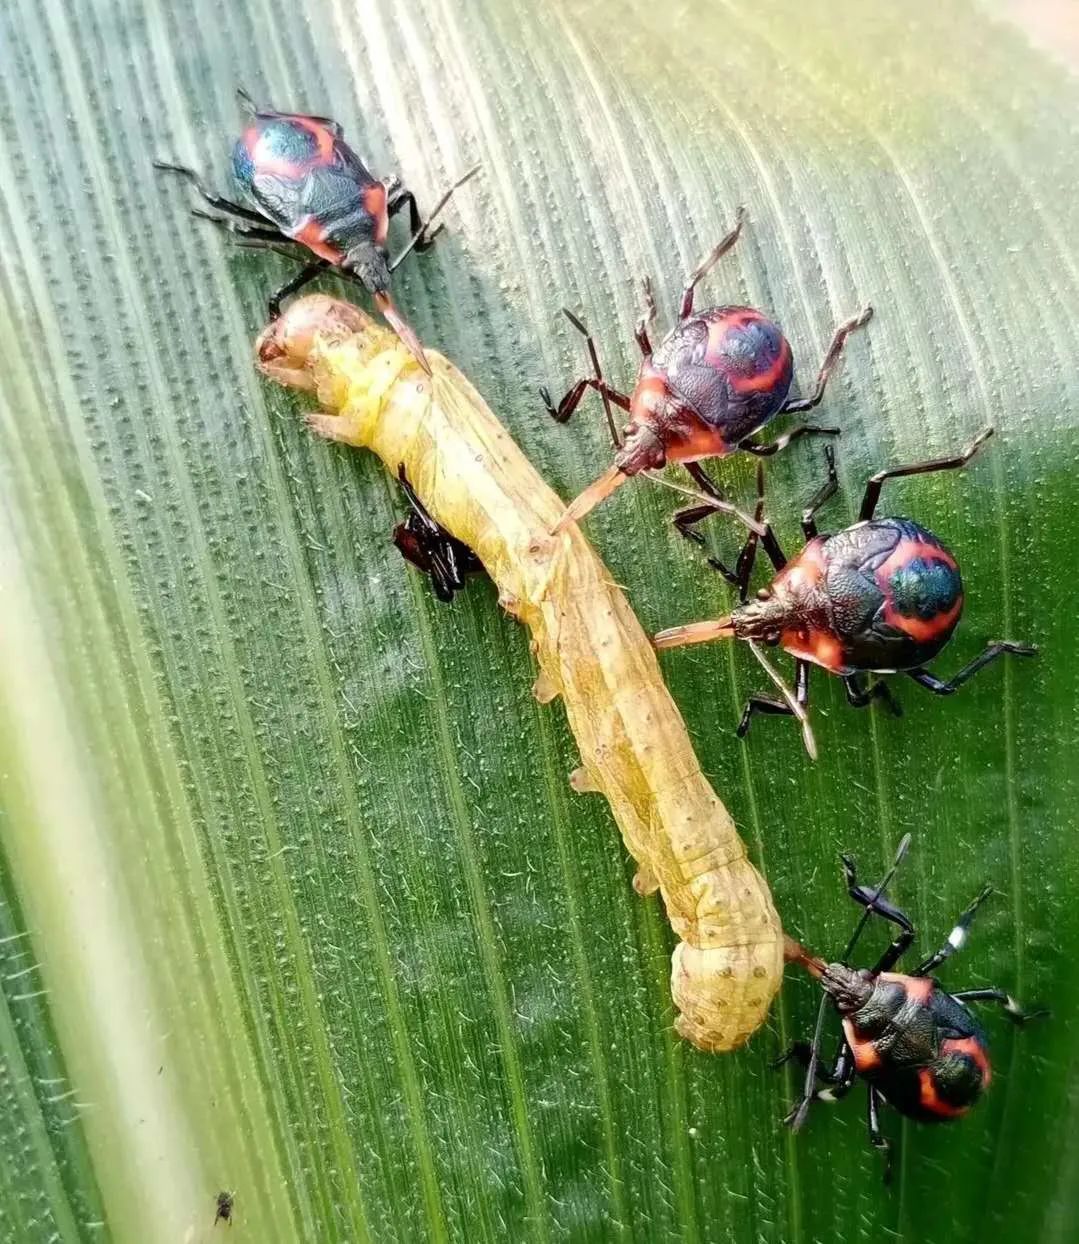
point(591, 650)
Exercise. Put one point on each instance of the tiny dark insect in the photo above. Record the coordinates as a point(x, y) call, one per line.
point(431, 548)
point(917, 1045)
point(880, 597)
point(309, 189)
point(716, 378)
point(225, 1203)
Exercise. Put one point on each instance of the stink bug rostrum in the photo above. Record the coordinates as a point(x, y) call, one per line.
point(880, 597)
point(916, 1044)
point(717, 377)
point(309, 189)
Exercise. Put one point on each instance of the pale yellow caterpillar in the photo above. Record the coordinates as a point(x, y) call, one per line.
point(590, 647)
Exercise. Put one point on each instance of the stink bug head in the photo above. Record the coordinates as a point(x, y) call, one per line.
point(849, 988)
point(642, 450)
point(765, 617)
point(368, 264)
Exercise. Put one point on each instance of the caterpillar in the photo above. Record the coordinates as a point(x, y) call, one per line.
point(590, 648)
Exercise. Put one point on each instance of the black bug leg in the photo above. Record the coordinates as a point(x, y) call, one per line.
point(217, 200)
point(307, 273)
point(872, 899)
point(686, 519)
point(776, 708)
point(255, 235)
point(880, 1142)
point(397, 197)
point(861, 695)
point(1012, 1009)
point(957, 938)
point(796, 405)
point(931, 683)
point(874, 485)
point(708, 263)
point(824, 493)
point(647, 320)
point(570, 401)
point(766, 449)
point(838, 1080)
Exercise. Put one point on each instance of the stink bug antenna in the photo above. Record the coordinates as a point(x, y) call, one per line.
point(246, 102)
point(798, 1115)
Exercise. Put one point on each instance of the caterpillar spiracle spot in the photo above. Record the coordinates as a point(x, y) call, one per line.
point(591, 650)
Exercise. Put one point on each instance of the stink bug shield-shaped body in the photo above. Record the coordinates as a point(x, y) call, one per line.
point(918, 1046)
point(718, 377)
point(882, 596)
point(308, 188)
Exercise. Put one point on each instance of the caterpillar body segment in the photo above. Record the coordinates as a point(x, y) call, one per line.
point(591, 650)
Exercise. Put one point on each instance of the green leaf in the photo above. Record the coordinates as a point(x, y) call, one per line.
point(296, 900)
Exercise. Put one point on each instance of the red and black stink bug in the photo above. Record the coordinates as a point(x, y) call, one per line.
point(430, 547)
point(716, 378)
point(309, 188)
point(880, 597)
point(916, 1044)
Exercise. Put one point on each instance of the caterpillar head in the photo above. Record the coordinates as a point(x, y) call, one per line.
point(286, 347)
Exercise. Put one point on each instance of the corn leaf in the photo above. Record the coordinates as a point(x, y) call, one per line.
point(296, 901)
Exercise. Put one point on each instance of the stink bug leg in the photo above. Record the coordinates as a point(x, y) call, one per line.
point(998, 649)
point(706, 265)
point(307, 273)
point(954, 463)
point(796, 405)
point(648, 319)
point(216, 200)
point(398, 197)
point(570, 401)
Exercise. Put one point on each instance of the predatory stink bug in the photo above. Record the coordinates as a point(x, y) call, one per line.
point(716, 378)
point(917, 1045)
point(881, 597)
point(309, 189)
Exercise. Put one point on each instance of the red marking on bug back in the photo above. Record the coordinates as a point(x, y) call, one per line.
point(866, 1058)
point(702, 441)
point(974, 1050)
point(374, 204)
point(649, 396)
point(923, 630)
point(804, 572)
point(311, 234)
point(717, 353)
point(819, 646)
point(801, 576)
point(931, 1101)
point(268, 161)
